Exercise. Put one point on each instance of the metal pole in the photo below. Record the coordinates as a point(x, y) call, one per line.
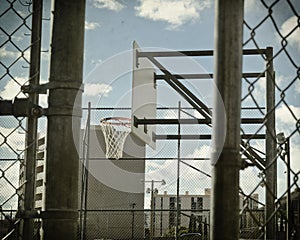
point(288, 202)
point(178, 175)
point(32, 121)
point(271, 163)
point(152, 211)
point(86, 169)
point(132, 221)
point(228, 74)
point(62, 169)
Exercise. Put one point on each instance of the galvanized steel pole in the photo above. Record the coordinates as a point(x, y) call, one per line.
point(228, 75)
point(32, 121)
point(62, 163)
point(271, 161)
point(178, 212)
point(152, 229)
point(290, 221)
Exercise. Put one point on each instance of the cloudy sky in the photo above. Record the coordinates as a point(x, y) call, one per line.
point(111, 26)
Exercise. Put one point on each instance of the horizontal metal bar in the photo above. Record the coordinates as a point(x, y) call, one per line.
point(175, 53)
point(148, 159)
point(202, 136)
point(151, 159)
point(160, 108)
point(184, 137)
point(205, 76)
point(148, 210)
point(196, 53)
point(154, 121)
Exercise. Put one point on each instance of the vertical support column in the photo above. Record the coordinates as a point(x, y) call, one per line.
point(228, 75)
point(62, 171)
point(271, 162)
point(86, 170)
point(152, 211)
point(290, 220)
point(32, 121)
point(178, 212)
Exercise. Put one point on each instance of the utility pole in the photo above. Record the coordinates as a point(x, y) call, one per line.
point(60, 218)
point(152, 215)
point(228, 75)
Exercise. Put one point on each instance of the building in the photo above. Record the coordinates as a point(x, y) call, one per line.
point(193, 212)
point(251, 218)
point(110, 214)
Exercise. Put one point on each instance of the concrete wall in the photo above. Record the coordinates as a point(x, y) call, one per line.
point(113, 186)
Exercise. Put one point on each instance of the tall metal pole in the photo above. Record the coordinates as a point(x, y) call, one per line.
point(32, 121)
point(86, 169)
point(62, 163)
point(288, 200)
point(152, 211)
point(132, 221)
point(178, 175)
point(228, 75)
point(271, 162)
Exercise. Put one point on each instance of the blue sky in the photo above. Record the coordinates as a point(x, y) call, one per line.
point(111, 27)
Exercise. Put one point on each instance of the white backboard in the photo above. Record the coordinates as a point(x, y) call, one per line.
point(144, 99)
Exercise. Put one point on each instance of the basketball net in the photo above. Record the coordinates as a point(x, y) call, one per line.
point(115, 131)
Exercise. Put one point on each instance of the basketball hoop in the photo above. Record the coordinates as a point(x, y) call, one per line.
point(115, 131)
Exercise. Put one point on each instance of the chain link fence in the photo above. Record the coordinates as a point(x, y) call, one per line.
point(269, 179)
point(15, 35)
point(270, 207)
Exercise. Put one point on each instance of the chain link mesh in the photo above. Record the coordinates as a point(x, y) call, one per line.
point(271, 203)
point(258, 191)
point(15, 32)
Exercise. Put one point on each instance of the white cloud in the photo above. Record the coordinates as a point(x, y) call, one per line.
point(7, 53)
point(284, 115)
point(109, 4)
point(170, 114)
point(202, 152)
point(287, 27)
point(295, 153)
point(203, 165)
point(15, 140)
point(298, 86)
point(4, 53)
point(258, 93)
point(91, 25)
point(11, 89)
point(43, 100)
point(17, 38)
point(96, 62)
point(250, 4)
point(176, 13)
point(94, 89)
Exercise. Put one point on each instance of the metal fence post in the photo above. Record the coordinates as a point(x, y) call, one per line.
point(228, 75)
point(271, 162)
point(178, 212)
point(32, 121)
point(62, 162)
